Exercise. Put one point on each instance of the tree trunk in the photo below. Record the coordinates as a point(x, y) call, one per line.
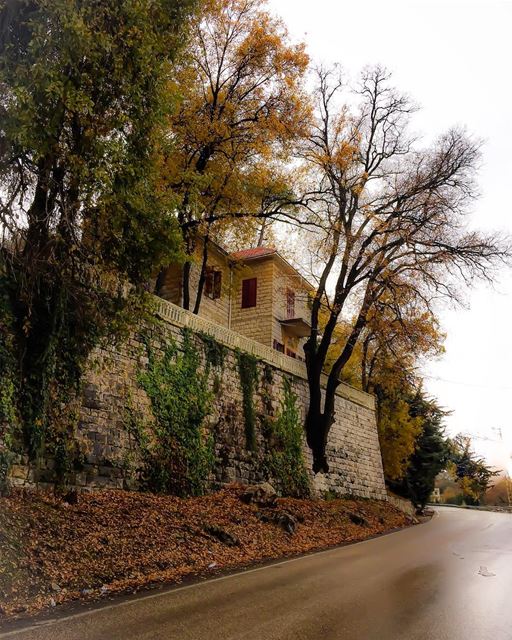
point(185, 284)
point(317, 423)
point(317, 431)
point(202, 276)
point(320, 419)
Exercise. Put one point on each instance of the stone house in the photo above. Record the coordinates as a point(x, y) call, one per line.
point(255, 292)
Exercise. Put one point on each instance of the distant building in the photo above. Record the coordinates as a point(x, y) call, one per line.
point(435, 496)
point(255, 292)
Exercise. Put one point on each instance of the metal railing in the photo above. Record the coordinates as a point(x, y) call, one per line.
point(180, 317)
point(484, 507)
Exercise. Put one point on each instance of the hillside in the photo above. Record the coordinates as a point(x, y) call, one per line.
point(111, 542)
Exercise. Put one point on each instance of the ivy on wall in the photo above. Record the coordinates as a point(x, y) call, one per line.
point(248, 372)
point(215, 352)
point(9, 419)
point(178, 455)
point(285, 459)
point(40, 403)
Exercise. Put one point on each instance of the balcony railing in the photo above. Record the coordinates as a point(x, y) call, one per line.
point(180, 317)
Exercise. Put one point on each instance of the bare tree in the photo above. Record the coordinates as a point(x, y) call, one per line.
point(389, 212)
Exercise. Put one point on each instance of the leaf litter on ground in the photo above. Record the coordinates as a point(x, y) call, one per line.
point(113, 542)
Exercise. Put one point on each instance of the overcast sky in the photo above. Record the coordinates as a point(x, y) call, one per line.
point(453, 57)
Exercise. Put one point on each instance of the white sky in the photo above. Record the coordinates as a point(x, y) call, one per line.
point(454, 58)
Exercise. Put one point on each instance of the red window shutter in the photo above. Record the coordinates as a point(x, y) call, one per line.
point(249, 288)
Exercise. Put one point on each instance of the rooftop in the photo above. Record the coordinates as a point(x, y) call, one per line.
point(256, 252)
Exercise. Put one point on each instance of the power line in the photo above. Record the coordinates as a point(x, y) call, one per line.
point(469, 384)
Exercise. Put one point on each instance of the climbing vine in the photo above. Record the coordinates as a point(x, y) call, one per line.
point(248, 371)
point(9, 419)
point(214, 351)
point(285, 458)
point(8, 412)
point(180, 456)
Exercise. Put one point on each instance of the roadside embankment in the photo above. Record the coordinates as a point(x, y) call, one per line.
point(111, 542)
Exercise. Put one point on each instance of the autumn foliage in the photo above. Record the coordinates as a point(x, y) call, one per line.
point(241, 107)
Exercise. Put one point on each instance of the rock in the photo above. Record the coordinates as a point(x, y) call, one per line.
point(52, 602)
point(223, 536)
point(262, 494)
point(359, 520)
point(282, 518)
point(71, 497)
point(55, 586)
point(287, 522)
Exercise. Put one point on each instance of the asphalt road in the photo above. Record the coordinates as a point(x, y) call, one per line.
point(450, 578)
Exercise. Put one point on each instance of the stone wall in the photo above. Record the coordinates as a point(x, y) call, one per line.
point(111, 394)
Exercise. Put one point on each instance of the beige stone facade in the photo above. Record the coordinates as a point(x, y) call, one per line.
point(277, 315)
point(213, 306)
point(254, 322)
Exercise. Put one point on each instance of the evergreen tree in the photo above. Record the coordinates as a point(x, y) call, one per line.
point(431, 455)
point(473, 476)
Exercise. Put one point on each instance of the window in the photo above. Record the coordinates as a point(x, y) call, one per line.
point(290, 303)
point(249, 287)
point(291, 353)
point(213, 283)
point(278, 346)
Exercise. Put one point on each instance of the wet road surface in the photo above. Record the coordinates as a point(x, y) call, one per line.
point(450, 578)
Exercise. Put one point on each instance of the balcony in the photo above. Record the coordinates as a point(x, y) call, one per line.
point(297, 327)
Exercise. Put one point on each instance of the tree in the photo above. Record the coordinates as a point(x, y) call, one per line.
point(398, 433)
point(388, 214)
point(84, 95)
point(431, 454)
point(399, 332)
point(241, 107)
point(474, 477)
point(500, 493)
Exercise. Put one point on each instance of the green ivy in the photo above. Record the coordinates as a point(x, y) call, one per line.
point(285, 458)
point(214, 351)
point(6, 459)
point(180, 457)
point(8, 367)
point(248, 371)
point(9, 419)
point(268, 374)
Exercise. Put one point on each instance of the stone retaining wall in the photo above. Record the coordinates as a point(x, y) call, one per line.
point(111, 392)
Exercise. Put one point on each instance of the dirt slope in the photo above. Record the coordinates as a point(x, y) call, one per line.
point(113, 541)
